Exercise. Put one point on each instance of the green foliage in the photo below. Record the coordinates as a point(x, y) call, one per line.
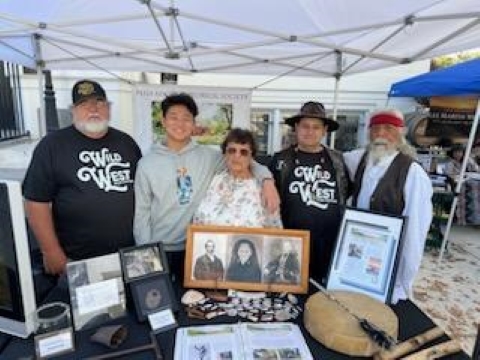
point(156, 116)
point(448, 60)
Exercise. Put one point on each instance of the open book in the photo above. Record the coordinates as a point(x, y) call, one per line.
point(243, 341)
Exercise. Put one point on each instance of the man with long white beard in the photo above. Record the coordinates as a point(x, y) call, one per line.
point(79, 184)
point(388, 180)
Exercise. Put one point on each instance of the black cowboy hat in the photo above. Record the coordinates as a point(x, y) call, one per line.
point(313, 109)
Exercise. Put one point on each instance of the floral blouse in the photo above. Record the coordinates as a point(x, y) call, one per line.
point(234, 202)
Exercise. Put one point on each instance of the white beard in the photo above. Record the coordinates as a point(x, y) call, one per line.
point(92, 127)
point(380, 149)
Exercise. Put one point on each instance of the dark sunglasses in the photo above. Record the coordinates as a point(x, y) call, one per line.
point(232, 151)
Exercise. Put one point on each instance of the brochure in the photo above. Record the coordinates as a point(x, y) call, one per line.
point(245, 341)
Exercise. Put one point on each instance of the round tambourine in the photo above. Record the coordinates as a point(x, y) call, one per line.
point(336, 329)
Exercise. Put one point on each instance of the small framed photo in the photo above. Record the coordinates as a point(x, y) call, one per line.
point(143, 261)
point(367, 253)
point(97, 293)
point(153, 294)
point(253, 259)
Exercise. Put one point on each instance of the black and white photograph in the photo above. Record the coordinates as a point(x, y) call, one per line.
point(245, 259)
point(153, 294)
point(144, 260)
point(209, 257)
point(77, 274)
point(282, 261)
point(251, 259)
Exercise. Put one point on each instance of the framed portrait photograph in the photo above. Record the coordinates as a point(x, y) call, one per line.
point(153, 294)
point(367, 253)
point(97, 293)
point(143, 261)
point(253, 259)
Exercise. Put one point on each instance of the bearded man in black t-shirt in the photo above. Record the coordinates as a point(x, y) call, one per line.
point(79, 185)
point(313, 184)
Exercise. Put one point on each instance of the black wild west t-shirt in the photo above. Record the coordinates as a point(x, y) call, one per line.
point(311, 202)
point(90, 185)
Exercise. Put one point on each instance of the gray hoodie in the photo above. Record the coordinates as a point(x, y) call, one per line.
point(161, 212)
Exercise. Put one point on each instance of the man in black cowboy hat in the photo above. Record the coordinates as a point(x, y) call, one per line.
point(313, 184)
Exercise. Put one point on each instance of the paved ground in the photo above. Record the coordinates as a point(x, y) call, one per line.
point(449, 291)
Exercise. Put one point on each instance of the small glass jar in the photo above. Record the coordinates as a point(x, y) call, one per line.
point(52, 317)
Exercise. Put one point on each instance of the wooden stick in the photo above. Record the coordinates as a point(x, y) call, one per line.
point(436, 351)
point(153, 346)
point(409, 345)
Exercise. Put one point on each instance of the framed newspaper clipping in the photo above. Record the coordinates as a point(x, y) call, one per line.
point(255, 259)
point(367, 253)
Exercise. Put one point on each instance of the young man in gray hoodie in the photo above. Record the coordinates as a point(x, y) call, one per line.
point(173, 178)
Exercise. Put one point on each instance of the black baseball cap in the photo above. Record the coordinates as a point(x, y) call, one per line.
point(86, 89)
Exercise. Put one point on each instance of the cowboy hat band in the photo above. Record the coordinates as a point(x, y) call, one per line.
point(313, 109)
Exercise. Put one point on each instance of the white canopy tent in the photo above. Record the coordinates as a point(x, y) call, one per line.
point(302, 37)
point(315, 38)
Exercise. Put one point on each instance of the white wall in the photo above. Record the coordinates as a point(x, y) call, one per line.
point(361, 92)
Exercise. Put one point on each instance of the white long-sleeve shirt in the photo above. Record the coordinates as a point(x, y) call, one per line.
point(418, 210)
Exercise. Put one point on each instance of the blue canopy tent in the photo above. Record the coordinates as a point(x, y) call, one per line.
point(458, 80)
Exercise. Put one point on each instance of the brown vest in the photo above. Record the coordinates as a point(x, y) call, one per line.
point(388, 195)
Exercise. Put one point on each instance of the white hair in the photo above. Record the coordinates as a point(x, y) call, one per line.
point(403, 146)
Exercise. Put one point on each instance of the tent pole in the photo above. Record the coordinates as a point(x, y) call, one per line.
point(338, 75)
point(335, 109)
point(460, 181)
point(42, 125)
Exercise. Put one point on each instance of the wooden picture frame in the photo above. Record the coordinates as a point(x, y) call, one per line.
point(367, 253)
point(153, 294)
point(274, 260)
point(142, 261)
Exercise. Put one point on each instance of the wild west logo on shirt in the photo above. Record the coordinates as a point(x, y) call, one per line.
point(106, 169)
point(314, 185)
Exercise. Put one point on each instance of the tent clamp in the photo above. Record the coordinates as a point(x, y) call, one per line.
point(405, 61)
point(172, 55)
point(409, 20)
point(171, 11)
point(293, 38)
point(42, 25)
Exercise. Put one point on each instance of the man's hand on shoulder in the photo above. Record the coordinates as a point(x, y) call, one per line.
point(270, 197)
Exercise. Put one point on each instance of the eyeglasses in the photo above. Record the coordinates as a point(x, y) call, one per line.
point(242, 152)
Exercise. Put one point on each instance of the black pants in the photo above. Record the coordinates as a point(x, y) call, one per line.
point(176, 263)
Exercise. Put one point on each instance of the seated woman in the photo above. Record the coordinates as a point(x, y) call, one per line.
point(453, 167)
point(244, 265)
point(234, 196)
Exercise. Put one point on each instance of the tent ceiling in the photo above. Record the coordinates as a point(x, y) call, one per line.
point(302, 37)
